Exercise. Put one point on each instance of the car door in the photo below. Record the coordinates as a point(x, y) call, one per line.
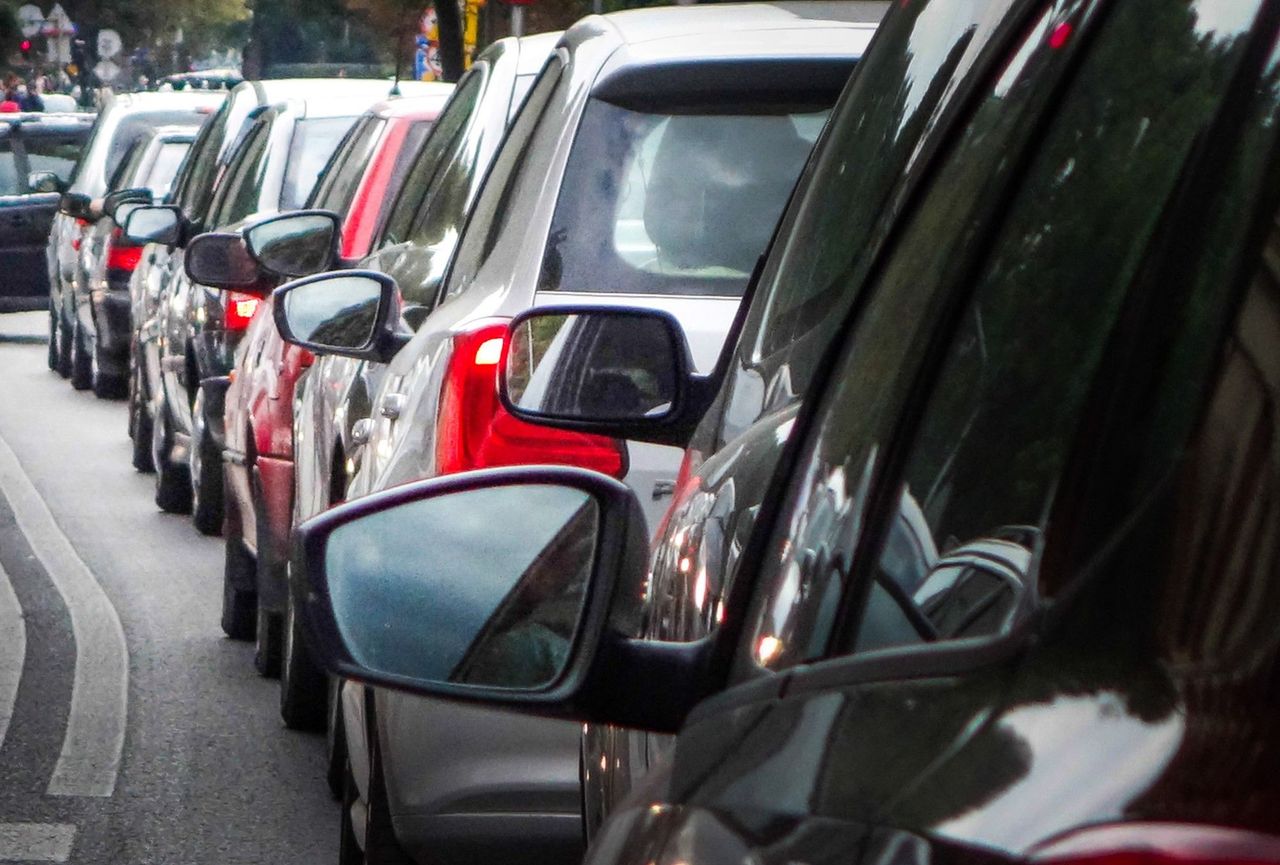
point(26, 216)
point(874, 704)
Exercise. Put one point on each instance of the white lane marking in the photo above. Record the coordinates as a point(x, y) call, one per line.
point(13, 650)
point(94, 739)
point(36, 842)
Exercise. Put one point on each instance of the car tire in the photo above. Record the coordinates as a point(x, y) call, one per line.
point(335, 774)
point(205, 472)
point(304, 690)
point(173, 484)
point(239, 606)
point(64, 347)
point(81, 363)
point(139, 418)
point(104, 385)
point(267, 643)
point(53, 338)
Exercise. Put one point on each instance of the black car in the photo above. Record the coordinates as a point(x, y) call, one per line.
point(37, 155)
point(1000, 586)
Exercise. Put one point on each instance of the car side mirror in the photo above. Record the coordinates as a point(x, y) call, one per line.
point(112, 201)
point(152, 224)
point(524, 618)
point(220, 260)
point(353, 313)
point(75, 204)
point(616, 371)
point(45, 181)
point(296, 244)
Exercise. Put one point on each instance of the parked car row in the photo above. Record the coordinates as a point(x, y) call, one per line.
point(730, 435)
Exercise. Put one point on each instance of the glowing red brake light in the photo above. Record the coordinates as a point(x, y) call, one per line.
point(1160, 844)
point(122, 255)
point(474, 431)
point(240, 310)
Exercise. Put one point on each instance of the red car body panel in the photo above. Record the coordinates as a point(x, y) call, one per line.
point(259, 402)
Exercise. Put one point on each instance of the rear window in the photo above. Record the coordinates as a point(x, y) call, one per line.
point(314, 141)
point(679, 202)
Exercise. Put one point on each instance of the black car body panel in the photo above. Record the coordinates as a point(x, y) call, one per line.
point(29, 143)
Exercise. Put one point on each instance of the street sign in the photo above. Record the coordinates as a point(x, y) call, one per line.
point(109, 43)
point(30, 20)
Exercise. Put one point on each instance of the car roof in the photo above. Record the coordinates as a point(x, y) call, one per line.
point(37, 123)
point(708, 22)
point(159, 101)
point(419, 105)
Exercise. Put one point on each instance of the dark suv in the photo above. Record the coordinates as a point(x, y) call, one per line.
point(1000, 587)
point(37, 155)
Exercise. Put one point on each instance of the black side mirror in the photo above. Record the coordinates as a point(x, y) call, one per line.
point(353, 313)
point(220, 260)
point(45, 181)
point(293, 244)
point(75, 204)
point(536, 623)
point(112, 201)
point(152, 224)
point(616, 371)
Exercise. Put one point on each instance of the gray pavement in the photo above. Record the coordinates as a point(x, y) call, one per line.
point(205, 771)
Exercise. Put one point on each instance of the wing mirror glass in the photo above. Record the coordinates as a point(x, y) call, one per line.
point(44, 181)
point(151, 224)
point(295, 244)
point(351, 312)
point(121, 216)
point(525, 617)
point(612, 370)
point(112, 201)
point(220, 260)
point(75, 204)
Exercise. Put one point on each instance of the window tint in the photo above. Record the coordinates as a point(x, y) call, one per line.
point(444, 152)
point(313, 143)
point(195, 190)
point(127, 171)
point(679, 202)
point(237, 196)
point(504, 182)
point(165, 167)
point(987, 455)
point(135, 126)
point(815, 273)
point(52, 153)
point(10, 183)
point(338, 184)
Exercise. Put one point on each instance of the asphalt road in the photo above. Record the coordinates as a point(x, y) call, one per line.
point(131, 729)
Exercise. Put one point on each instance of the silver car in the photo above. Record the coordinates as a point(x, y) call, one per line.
point(648, 166)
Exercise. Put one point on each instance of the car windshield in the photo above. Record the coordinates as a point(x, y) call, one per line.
point(9, 184)
point(677, 202)
point(313, 143)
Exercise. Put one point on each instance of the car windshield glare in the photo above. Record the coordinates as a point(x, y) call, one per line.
point(674, 203)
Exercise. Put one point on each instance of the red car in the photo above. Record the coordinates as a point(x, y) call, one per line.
point(359, 185)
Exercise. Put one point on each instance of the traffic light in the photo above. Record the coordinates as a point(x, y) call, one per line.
point(25, 47)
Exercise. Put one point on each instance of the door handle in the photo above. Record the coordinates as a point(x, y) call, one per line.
point(392, 405)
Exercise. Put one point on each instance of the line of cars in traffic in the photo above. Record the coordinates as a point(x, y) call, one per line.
point(914, 459)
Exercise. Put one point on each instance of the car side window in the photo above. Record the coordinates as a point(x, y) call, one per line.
point(505, 178)
point(195, 188)
point(441, 153)
point(243, 182)
point(806, 287)
point(52, 153)
point(941, 542)
point(342, 175)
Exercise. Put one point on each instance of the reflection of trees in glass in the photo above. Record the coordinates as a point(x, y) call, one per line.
point(525, 643)
point(352, 326)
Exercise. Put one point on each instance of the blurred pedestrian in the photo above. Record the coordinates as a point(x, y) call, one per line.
point(29, 97)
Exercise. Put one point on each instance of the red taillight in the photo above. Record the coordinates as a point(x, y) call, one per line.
point(240, 309)
point(122, 255)
point(81, 225)
point(473, 430)
point(1160, 844)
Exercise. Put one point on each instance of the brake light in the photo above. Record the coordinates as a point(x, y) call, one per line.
point(474, 431)
point(240, 309)
point(122, 255)
point(81, 225)
point(1160, 844)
